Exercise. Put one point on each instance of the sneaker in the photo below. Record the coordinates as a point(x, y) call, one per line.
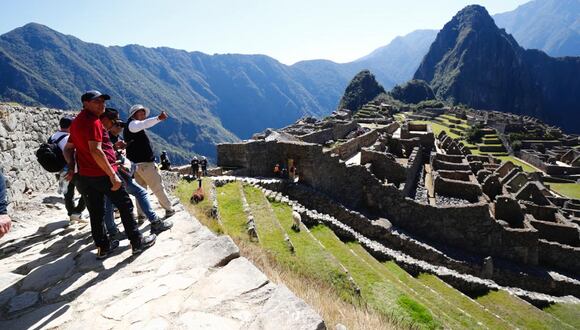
point(145, 243)
point(169, 213)
point(77, 217)
point(159, 225)
point(104, 253)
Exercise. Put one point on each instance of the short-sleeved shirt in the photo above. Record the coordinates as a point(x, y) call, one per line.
point(84, 128)
point(107, 146)
point(62, 142)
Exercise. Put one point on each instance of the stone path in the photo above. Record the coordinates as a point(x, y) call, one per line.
point(191, 278)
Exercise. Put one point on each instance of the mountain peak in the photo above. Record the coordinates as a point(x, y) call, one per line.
point(362, 89)
point(32, 27)
point(474, 62)
point(474, 16)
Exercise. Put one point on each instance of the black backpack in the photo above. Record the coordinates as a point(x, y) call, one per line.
point(50, 156)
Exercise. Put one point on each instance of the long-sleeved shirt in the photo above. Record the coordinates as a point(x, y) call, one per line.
point(3, 201)
point(139, 125)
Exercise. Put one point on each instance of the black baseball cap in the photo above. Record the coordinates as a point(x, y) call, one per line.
point(65, 122)
point(91, 95)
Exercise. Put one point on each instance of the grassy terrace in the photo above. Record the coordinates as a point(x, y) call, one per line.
point(570, 190)
point(345, 284)
point(525, 166)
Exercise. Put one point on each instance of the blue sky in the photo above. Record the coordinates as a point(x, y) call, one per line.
point(289, 30)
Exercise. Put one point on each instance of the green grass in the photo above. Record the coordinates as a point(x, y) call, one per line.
point(380, 290)
point(231, 210)
point(456, 309)
point(568, 313)
point(202, 210)
point(309, 258)
point(437, 128)
point(418, 312)
point(271, 237)
point(518, 312)
point(570, 190)
point(516, 161)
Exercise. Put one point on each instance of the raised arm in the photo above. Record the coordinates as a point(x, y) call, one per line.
point(139, 125)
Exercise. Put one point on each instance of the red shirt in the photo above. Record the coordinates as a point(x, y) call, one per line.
point(87, 127)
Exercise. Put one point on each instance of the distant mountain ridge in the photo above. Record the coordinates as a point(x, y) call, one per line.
point(474, 62)
point(211, 98)
point(552, 26)
point(223, 98)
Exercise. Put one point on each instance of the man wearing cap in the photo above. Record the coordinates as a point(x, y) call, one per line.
point(140, 152)
point(68, 188)
point(97, 177)
point(110, 120)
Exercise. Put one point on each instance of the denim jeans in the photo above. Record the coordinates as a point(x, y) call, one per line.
point(140, 196)
point(94, 190)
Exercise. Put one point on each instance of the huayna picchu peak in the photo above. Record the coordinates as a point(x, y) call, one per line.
point(474, 62)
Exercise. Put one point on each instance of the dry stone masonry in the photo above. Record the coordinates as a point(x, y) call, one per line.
point(428, 197)
point(22, 130)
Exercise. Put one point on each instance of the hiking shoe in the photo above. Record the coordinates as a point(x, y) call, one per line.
point(103, 253)
point(169, 213)
point(145, 243)
point(159, 225)
point(77, 217)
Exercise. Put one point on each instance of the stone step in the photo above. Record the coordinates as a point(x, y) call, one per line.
point(189, 278)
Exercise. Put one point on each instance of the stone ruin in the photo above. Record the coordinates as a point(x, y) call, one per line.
point(472, 209)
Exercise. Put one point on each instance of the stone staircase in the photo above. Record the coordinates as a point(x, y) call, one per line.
point(190, 279)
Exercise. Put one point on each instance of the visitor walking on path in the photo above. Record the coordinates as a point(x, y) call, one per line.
point(165, 162)
point(203, 164)
point(194, 166)
point(111, 122)
point(140, 152)
point(68, 187)
point(5, 221)
point(98, 178)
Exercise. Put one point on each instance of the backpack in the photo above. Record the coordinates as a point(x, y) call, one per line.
point(50, 156)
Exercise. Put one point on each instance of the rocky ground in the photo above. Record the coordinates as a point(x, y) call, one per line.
point(191, 278)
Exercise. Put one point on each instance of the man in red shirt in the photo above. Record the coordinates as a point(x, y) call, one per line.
point(98, 177)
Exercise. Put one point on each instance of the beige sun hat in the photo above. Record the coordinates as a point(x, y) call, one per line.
point(138, 107)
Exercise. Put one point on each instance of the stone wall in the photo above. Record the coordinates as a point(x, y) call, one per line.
point(560, 256)
point(384, 166)
point(351, 147)
point(414, 166)
point(457, 188)
point(470, 227)
point(338, 131)
point(557, 232)
point(22, 130)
